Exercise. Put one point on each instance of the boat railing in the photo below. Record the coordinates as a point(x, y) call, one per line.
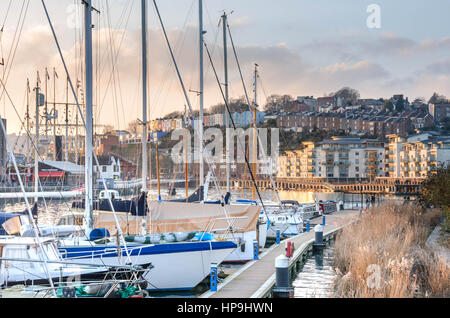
point(100, 253)
point(207, 227)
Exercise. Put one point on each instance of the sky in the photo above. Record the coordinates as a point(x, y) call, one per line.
point(302, 47)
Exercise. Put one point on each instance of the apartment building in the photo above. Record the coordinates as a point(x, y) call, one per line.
point(298, 163)
point(417, 156)
point(440, 112)
point(339, 157)
point(343, 157)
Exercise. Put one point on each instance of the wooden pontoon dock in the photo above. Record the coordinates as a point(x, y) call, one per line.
point(256, 278)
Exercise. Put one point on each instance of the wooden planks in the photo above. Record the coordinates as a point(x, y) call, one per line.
point(254, 278)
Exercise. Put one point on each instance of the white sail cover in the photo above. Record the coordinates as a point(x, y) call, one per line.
point(170, 217)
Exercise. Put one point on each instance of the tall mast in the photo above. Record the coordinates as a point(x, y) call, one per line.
point(28, 121)
point(227, 119)
point(77, 142)
point(201, 92)
point(66, 148)
point(144, 96)
point(89, 116)
point(255, 148)
point(186, 161)
point(55, 154)
point(36, 152)
point(46, 103)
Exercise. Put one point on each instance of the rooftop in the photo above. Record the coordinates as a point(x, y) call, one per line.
point(67, 166)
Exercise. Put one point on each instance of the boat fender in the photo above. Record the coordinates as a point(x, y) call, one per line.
point(170, 237)
point(94, 290)
point(98, 234)
point(242, 243)
point(203, 236)
point(289, 249)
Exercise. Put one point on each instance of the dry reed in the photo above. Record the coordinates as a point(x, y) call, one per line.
point(383, 255)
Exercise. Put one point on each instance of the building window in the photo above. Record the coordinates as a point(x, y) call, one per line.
point(104, 168)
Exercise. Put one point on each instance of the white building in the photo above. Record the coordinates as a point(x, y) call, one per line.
point(417, 156)
point(344, 157)
point(340, 157)
point(109, 167)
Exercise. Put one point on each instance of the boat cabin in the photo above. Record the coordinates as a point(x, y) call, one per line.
point(112, 193)
point(15, 250)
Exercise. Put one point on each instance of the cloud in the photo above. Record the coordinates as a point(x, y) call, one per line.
point(284, 70)
point(239, 22)
point(435, 44)
point(387, 44)
point(355, 73)
point(438, 68)
point(359, 44)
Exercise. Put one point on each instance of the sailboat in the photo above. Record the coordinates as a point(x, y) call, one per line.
point(35, 260)
point(20, 263)
point(177, 265)
point(244, 235)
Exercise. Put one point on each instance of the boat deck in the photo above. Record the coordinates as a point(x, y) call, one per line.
point(255, 278)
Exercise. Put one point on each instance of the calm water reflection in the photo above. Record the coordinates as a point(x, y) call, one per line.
point(317, 276)
point(51, 210)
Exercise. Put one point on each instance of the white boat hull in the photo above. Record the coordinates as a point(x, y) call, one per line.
point(285, 229)
point(246, 250)
point(176, 266)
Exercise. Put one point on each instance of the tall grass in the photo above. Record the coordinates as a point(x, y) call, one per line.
point(384, 255)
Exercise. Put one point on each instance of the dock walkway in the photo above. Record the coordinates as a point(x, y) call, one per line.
point(256, 278)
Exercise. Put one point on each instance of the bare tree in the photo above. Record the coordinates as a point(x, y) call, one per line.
point(278, 102)
point(235, 104)
point(349, 96)
point(108, 129)
point(436, 99)
point(133, 127)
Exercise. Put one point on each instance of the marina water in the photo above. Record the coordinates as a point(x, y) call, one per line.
point(316, 276)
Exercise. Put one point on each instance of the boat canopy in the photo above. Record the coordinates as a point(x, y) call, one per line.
point(11, 222)
point(172, 217)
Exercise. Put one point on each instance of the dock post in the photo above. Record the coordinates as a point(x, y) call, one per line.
point(278, 236)
point(323, 220)
point(213, 280)
point(282, 287)
point(318, 243)
point(255, 250)
point(307, 225)
point(318, 229)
